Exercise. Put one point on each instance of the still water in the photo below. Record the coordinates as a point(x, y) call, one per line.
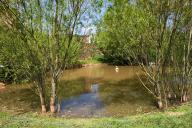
point(102, 90)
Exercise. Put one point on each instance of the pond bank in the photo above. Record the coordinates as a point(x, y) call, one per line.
point(2, 86)
point(85, 63)
point(93, 91)
point(179, 117)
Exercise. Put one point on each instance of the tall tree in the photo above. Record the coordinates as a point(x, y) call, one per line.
point(156, 35)
point(121, 32)
point(47, 29)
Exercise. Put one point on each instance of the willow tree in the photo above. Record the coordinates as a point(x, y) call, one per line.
point(20, 21)
point(121, 33)
point(63, 18)
point(172, 45)
point(47, 29)
point(157, 35)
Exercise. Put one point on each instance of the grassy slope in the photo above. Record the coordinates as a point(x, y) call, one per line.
point(180, 117)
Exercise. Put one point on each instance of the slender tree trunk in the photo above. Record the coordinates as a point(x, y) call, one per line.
point(55, 58)
point(42, 99)
point(159, 97)
point(184, 96)
point(160, 103)
point(41, 89)
point(53, 95)
point(159, 100)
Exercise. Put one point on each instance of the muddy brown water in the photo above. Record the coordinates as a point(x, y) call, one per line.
point(94, 91)
point(103, 90)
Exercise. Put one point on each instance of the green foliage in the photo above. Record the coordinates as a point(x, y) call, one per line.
point(12, 58)
point(33, 46)
point(131, 30)
point(44, 34)
point(97, 58)
point(122, 32)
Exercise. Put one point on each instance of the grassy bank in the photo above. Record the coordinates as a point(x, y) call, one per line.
point(90, 61)
point(179, 117)
point(96, 59)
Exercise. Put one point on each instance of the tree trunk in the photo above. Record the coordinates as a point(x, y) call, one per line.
point(43, 106)
point(53, 95)
point(169, 94)
point(159, 100)
point(58, 107)
point(160, 103)
point(184, 97)
point(41, 89)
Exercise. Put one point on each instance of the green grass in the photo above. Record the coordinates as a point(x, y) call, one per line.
point(93, 60)
point(180, 117)
point(90, 61)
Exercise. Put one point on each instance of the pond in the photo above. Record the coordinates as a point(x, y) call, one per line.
point(102, 90)
point(95, 91)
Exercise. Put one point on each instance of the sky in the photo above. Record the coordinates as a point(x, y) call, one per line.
point(89, 24)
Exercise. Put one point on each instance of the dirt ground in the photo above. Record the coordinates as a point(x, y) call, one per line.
point(2, 86)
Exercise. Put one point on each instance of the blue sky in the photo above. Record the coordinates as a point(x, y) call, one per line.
point(89, 24)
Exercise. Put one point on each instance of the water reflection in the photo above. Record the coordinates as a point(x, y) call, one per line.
point(101, 91)
point(87, 104)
